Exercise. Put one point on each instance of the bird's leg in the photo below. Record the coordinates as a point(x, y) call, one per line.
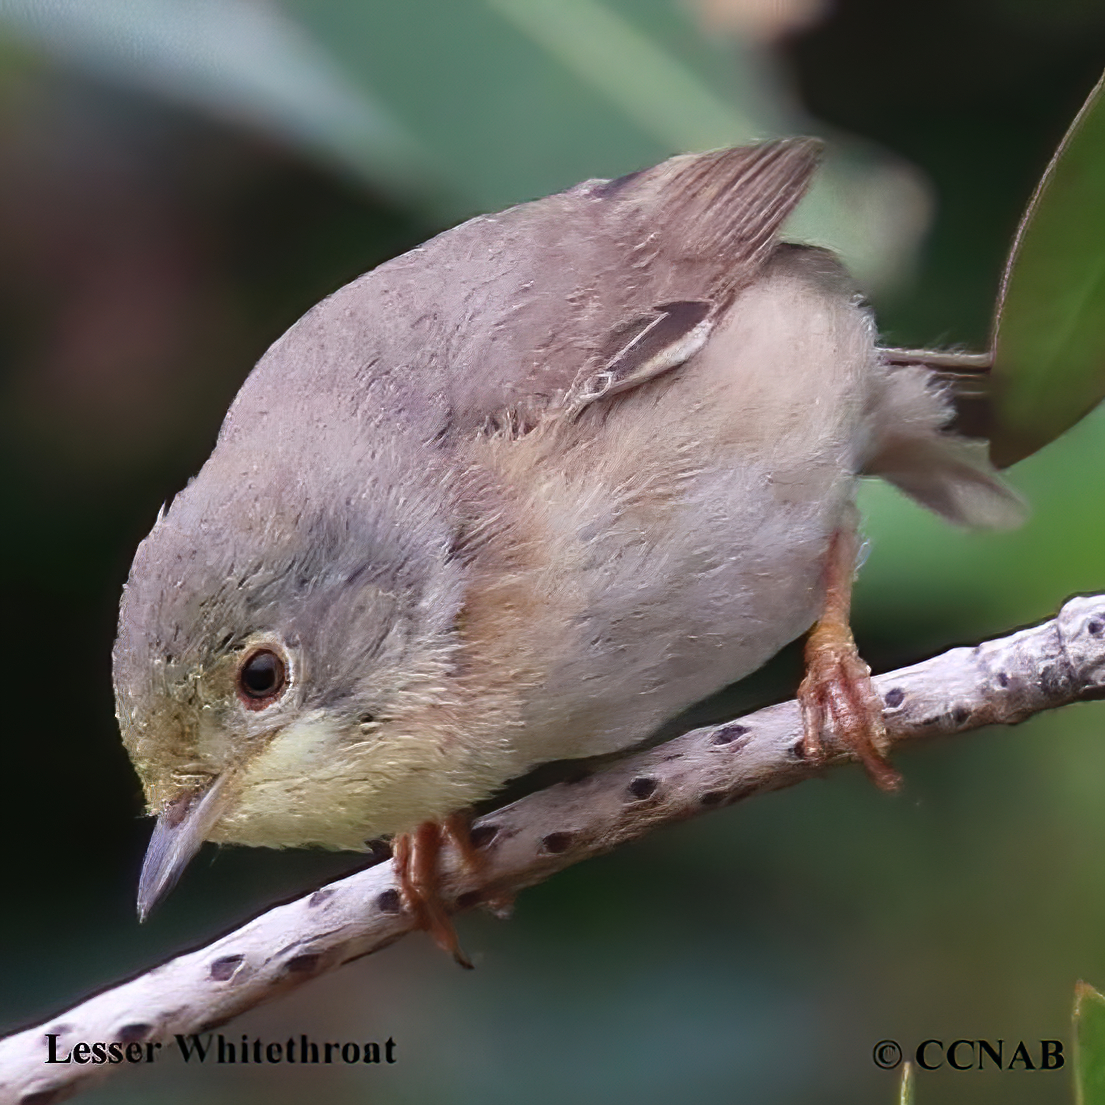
point(837, 695)
point(416, 857)
point(457, 827)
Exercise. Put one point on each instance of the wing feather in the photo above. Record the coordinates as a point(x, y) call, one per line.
point(499, 317)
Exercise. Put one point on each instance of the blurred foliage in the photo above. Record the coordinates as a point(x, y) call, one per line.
point(180, 180)
point(460, 106)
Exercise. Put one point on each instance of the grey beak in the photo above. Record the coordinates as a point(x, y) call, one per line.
point(180, 830)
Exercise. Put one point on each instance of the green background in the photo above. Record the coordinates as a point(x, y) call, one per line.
point(177, 187)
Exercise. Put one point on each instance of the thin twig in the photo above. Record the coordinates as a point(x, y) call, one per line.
point(1002, 681)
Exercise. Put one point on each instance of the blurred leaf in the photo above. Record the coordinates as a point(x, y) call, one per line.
point(504, 116)
point(658, 92)
point(1049, 344)
point(905, 1089)
point(243, 61)
point(458, 106)
point(531, 96)
point(1089, 1046)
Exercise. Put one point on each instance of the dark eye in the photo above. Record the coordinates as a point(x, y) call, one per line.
point(261, 678)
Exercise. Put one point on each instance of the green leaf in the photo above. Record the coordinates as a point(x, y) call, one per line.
point(1049, 339)
point(1089, 1046)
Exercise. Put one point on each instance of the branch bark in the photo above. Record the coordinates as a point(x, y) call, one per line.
point(1001, 681)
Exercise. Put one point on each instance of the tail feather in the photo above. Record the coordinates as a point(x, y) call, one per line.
point(949, 474)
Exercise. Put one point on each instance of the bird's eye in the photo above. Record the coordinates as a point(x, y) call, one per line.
point(261, 678)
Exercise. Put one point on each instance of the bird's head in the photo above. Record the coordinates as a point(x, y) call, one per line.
point(282, 670)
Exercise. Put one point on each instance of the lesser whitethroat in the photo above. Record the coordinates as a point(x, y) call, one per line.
point(523, 494)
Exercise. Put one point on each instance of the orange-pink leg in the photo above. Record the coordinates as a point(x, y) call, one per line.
point(416, 857)
point(837, 695)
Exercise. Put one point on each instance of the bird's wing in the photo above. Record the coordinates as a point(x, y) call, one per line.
point(563, 299)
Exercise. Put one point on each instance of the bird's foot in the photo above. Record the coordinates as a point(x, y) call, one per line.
point(416, 857)
point(837, 697)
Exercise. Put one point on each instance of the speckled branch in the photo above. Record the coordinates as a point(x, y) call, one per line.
point(1002, 681)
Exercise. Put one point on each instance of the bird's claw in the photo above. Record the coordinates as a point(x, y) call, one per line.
point(839, 700)
point(416, 857)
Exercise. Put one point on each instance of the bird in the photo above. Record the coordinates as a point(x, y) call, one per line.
point(523, 494)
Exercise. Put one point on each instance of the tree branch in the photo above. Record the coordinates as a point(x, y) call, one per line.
point(1002, 681)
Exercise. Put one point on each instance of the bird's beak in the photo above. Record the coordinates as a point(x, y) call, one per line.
point(182, 826)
